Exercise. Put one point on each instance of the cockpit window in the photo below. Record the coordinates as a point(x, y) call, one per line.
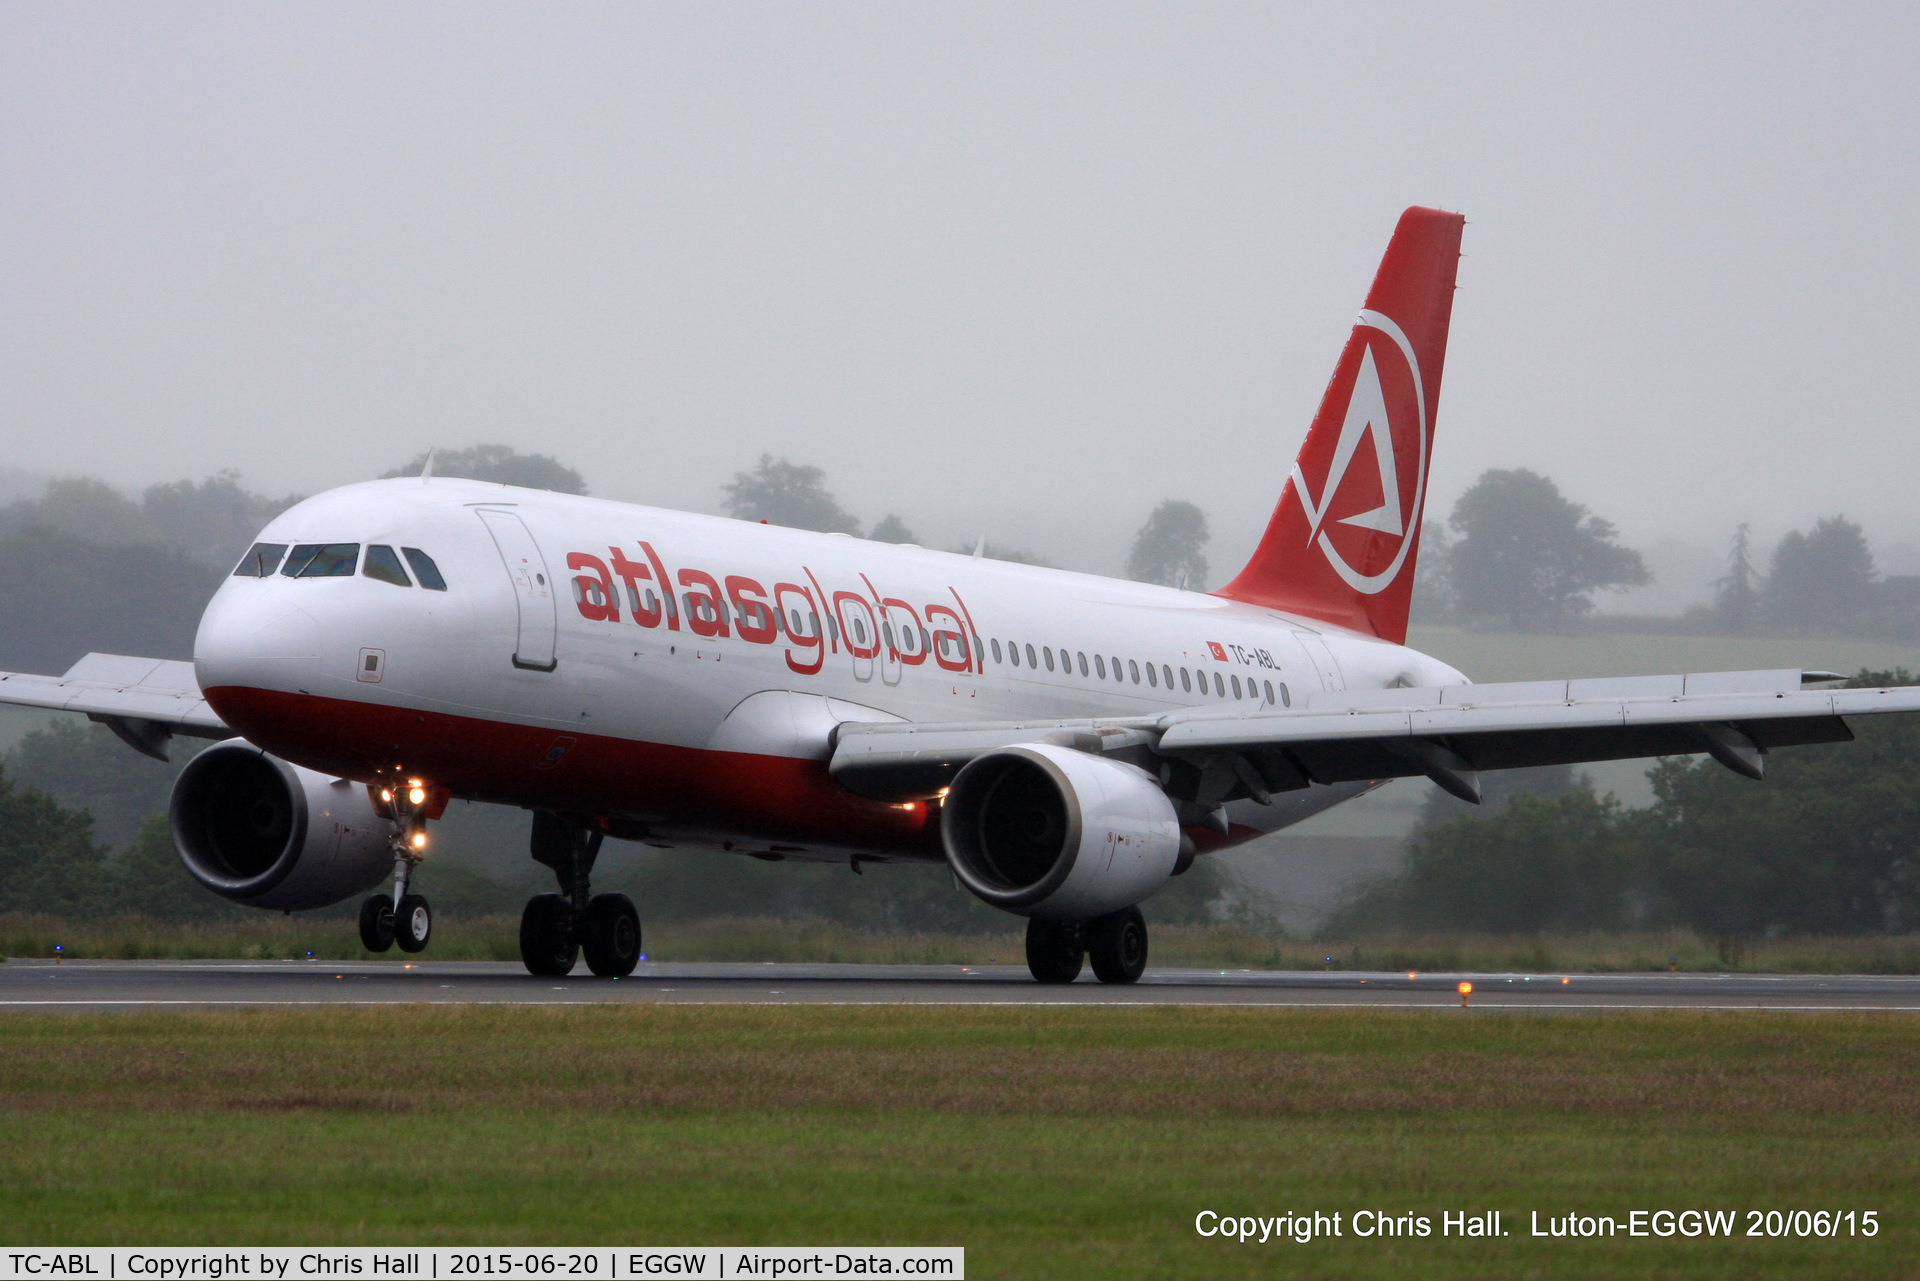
point(383, 564)
point(322, 560)
point(425, 570)
point(261, 561)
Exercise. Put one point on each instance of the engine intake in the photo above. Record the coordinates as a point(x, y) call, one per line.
point(260, 831)
point(1049, 831)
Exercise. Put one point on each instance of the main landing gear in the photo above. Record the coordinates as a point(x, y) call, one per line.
point(1116, 944)
point(401, 918)
point(556, 928)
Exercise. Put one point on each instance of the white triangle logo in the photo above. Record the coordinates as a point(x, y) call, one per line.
point(1366, 412)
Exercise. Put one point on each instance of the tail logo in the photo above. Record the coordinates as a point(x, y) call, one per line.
point(1367, 416)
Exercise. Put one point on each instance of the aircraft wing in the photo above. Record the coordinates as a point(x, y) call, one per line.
point(146, 701)
point(1446, 733)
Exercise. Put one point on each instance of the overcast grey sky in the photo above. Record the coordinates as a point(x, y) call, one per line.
point(1021, 270)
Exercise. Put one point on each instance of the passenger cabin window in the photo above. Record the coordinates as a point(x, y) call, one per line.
point(1269, 689)
point(1219, 686)
point(1049, 656)
point(1032, 661)
point(1133, 669)
point(1100, 666)
point(1013, 652)
point(996, 653)
point(1083, 663)
point(1117, 673)
point(261, 560)
point(1236, 687)
point(322, 560)
point(1151, 678)
point(1166, 674)
point(384, 564)
point(424, 569)
point(1186, 682)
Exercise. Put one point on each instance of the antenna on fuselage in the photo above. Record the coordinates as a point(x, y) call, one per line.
point(426, 468)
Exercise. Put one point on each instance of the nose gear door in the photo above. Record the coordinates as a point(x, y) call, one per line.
point(532, 588)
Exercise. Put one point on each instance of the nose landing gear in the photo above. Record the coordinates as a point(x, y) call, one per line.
point(401, 918)
point(556, 928)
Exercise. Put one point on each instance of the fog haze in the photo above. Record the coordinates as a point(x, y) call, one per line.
point(1020, 271)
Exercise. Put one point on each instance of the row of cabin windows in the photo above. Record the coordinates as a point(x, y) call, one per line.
point(338, 560)
point(1191, 680)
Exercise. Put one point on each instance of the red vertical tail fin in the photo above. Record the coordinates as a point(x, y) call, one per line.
point(1342, 543)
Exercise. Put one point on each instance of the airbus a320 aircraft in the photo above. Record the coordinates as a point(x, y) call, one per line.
point(1064, 743)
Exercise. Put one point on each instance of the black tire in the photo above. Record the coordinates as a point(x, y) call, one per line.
point(610, 935)
point(547, 947)
point(413, 924)
point(1117, 946)
point(1054, 950)
point(376, 923)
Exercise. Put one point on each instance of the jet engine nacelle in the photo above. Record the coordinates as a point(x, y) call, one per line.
point(1049, 831)
point(260, 831)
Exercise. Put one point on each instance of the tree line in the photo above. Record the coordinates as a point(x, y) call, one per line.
point(1516, 552)
point(1169, 549)
point(1828, 844)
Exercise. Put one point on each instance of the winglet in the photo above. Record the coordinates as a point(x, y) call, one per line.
point(1343, 540)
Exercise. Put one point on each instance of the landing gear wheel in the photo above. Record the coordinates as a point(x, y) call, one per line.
point(1117, 945)
point(413, 923)
point(1054, 950)
point(547, 946)
point(610, 935)
point(376, 923)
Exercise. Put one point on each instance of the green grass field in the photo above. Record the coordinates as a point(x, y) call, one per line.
point(1048, 1142)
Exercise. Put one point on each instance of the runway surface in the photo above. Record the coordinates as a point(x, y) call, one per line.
point(93, 986)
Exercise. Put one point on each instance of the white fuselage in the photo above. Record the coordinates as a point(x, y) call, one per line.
point(553, 672)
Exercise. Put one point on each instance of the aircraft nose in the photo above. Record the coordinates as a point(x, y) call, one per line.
point(253, 644)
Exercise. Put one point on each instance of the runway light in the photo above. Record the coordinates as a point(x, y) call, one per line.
point(1410, 974)
point(419, 840)
point(1466, 990)
point(1564, 982)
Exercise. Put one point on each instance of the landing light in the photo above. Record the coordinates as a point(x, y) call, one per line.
point(417, 796)
point(386, 796)
point(419, 840)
